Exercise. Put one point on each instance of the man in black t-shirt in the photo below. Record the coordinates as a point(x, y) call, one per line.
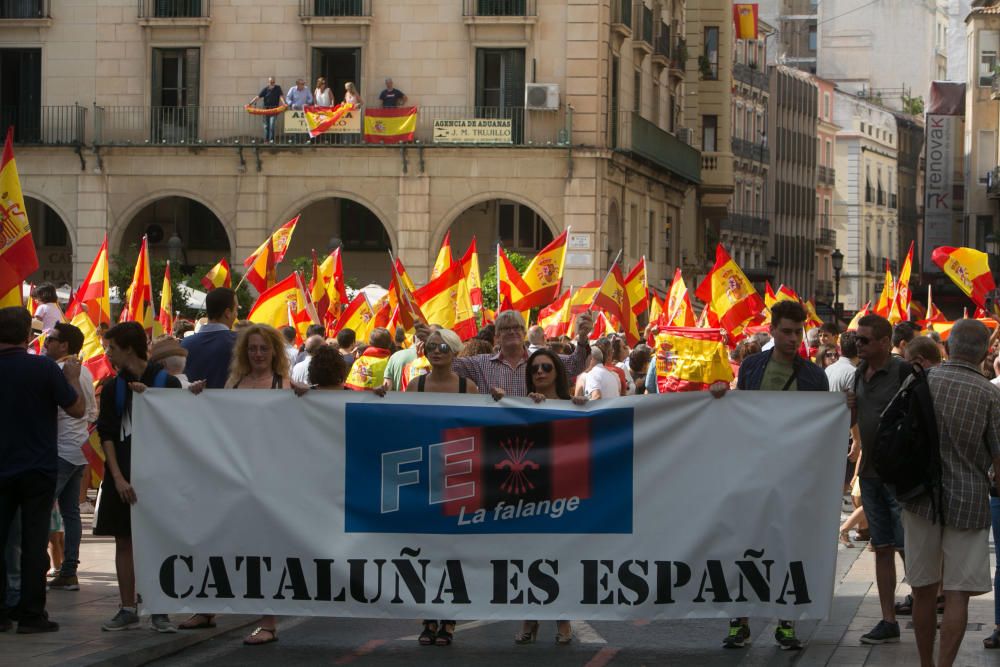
point(127, 352)
point(31, 391)
point(391, 97)
point(273, 97)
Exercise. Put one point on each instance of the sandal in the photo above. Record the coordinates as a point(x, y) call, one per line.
point(258, 632)
point(905, 608)
point(529, 631)
point(563, 639)
point(203, 622)
point(427, 637)
point(444, 636)
point(845, 539)
point(993, 641)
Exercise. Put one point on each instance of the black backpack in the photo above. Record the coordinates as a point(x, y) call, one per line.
point(907, 454)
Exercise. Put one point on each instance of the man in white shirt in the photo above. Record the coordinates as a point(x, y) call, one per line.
point(288, 333)
point(840, 374)
point(300, 373)
point(600, 382)
point(63, 342)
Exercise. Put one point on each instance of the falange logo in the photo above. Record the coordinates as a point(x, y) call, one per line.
point(414, 469)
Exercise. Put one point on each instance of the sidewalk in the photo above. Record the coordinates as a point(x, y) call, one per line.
point(80, 640)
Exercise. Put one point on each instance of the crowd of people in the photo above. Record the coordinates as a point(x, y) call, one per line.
point(49, 403)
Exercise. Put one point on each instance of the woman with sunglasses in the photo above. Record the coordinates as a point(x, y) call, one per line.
point(440, 348)
point(826, 355)
point(546, 379)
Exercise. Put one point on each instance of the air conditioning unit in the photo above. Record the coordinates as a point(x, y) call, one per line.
point(541, 96)
point(685, 134)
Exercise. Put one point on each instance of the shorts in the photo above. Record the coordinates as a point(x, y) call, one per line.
point(963, 556)
point(112, 515)
point(882, 512)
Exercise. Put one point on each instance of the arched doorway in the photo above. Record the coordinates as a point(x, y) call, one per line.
point(201, 238)
point(517, 226)
point(53, 244)
point(355, 228)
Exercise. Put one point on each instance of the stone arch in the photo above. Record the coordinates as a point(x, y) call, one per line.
point(54, 240)
point(455, 212)
point(121, 224)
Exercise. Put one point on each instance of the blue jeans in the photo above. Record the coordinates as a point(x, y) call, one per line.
point(882, 512)
point(995, 511)
point(68, 497)
point(269, 122)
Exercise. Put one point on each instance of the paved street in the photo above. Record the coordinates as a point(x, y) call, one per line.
point(314, 641)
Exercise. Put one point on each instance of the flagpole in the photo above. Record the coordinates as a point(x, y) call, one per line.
point(399, 282)
point(499, 302)
point(611, 268)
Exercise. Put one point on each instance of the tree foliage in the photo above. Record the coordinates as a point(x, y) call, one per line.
point(488, 282)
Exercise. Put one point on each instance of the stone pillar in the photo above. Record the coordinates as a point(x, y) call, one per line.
point(582, 213)
point(251, 222)
point(413, 236)
point(92, 223)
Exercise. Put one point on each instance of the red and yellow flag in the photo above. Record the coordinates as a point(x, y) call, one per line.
point(812, 318)
point(368, 370)
point(853, 325)
point(444, 260)
point(555, 318)
point(611, 297)
point(332, 271)
point(218, 276)
point(470, 267)
point(678, 311)
point(17, 249)
point(583, 297)
point(317, 290)
point(445, 301)
point(139, 297)
point(277, 242)
point(543, 275)
point(403, 303)
point(656, 309)
point(745, 18)
point(967, 268)
point(903, 297)
point(285, 304)
point(93, 299)
point(260, 274)
point(636, 287)
point(731, 296)
point(510, 285)
point(404, 276)
point(884, 302)
point(165, 318)
point(357, 317)
point(690, 359)
point(321, 119)
point(393, 125)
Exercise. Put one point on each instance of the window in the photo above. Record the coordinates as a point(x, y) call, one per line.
point(829, 153)
point(862, 128)
point(520, 228)
point(989, 44)
point(651, 237)
point(986, 154)
point(826, 105)
point(812, 38)
point(21, 92)
point(500, 87)
point(710, 67)
point(709, 127)
point(613, 102)
point(633, 231)
point(174, 97)
point(637, 90)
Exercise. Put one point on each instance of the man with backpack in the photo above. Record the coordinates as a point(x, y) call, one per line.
point(127, 353)
point(876, 381)
point(949, 534)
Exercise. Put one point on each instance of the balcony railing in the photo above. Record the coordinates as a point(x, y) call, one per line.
point(334, 8)
point(174, 9)
point(661, 47)
point(826, 175)
point(641, 138)
point(827, 237)
point(678, 55)
point(499, 8)
point(233, 126)
point(48, 126)
point(739, 223)
point(642, 28)
point(621, 12)
point(750, 76)
point(24, 9)
point(750, 150)
point(869, 261)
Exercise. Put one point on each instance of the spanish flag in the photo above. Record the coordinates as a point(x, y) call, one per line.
point(403, 303)
point(690, 359)
point(731, 296)
point(932, 314)
point(260, 274)
point(555, 318)
point(317, 290)
point(332, 271)
point(470, 267)
point(853, 325)
point(543, 275)
point(656, 309)
point(390, 126)
point(321, 119)
point(357, 317)
point(884, 302)
point(967, 268)
point(583, 297)
point(510, 285)
point(901, 300)
point(165, 319)
point(679, 311)
point(745, 18)
point(812, 318)
point(368, 370)
point(404, 276)
point(636, 287)
point(17, 249)
point(92, 299)
point(445, 301)
point(139, 297)
point(444, 260)
point(413, 370)
point(279, 241)
point(611, 297)
point(218, 276)
point(285, 304)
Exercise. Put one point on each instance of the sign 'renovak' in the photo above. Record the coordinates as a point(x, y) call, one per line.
point(939, 185)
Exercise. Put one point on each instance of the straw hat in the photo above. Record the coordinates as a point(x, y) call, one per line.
point(166, 347)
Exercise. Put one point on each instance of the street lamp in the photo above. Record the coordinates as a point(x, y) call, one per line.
point(175, 248)
point(837, 260)
point(333, 244)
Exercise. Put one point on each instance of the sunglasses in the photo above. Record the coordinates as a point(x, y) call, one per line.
point(443, 348)
point(831, 355)
point(862, 340)
point(544, 368)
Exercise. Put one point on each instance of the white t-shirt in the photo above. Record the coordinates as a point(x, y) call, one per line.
point(323, 98)
point(604, 380)
point(300, 373)
point(996, 381)
point(72, 431)
point(629, 380)
point(50, 314)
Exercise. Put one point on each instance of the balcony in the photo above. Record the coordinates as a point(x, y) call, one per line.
point(174, 9)
point(827, 238)
point(993, 184)
point(995, 87)
point(826, 175)
point(661, 50)
point(642, 139)
point(750, 75)
point(621, 21)
point(233, 126)
point(678, 59)
point(51, 126)
point(642, 30)
point(499, 8)
point(334, 9)
point(749, 150)
point(737, 223)
point(25, 13)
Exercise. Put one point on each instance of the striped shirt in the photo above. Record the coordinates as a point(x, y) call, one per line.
point(967, 409)
point(491, 370)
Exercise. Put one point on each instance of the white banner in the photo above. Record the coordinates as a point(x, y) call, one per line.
point(450, 506)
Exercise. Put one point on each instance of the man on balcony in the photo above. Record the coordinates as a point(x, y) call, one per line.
point(299, 96)
point(391, 97)
point(273, 98)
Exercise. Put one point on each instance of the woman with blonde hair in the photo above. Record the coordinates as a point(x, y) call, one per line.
point(351, 95)
point(258, 362)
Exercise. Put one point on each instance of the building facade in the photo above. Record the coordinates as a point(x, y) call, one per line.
point(795, 40)
point(793, 128)
point(131, 122)
point(910, 188)
point(982, 123)
point(826, 175)
point(866, 162)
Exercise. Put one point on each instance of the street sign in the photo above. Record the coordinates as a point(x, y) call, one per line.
point(473, 131)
